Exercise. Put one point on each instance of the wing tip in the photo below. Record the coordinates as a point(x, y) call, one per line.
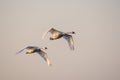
point(21, 50)
point(45, 33)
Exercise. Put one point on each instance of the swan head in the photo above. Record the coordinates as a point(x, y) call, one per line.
point(70, 32)
point(46, 48)
point(43, 48)
point(73, 32)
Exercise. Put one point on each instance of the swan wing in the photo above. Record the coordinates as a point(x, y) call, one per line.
point(45, 57)
point(52, 31)
point(70, 41)
point(20, 51)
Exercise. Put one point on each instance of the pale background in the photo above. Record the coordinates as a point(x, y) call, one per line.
point(97, 39)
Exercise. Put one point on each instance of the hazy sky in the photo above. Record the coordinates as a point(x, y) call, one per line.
point(97, 39)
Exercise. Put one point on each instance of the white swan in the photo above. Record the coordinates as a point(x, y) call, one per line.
point(35, 49)
point(59, 34)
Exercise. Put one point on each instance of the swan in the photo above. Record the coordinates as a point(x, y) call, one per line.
point(56, 34)
point(35, 49)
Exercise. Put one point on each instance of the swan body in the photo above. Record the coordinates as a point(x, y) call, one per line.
point(56, 34)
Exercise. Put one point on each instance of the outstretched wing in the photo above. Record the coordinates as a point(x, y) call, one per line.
point(20, 51)
point(70, 41)
point(51, 30)
point(45, 57)
point(43, 36)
